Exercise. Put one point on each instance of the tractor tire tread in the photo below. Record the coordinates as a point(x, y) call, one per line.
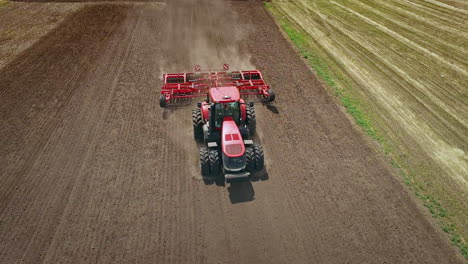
point(215, 162)
point(205, 161)
point(251, 120)
point(250, 159)
point(259, 157)
point(197, 121)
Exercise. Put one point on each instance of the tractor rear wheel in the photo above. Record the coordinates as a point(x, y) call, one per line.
point(255, 158)
point(250, 159)
point(197, 121)
point(215, 162)
point(162, 101)
point(204, 161)
point(251, 120)
point(259, 157)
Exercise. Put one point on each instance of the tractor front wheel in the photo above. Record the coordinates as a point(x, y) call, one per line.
point(251, 120)
point(197, 121)
point(204, 161)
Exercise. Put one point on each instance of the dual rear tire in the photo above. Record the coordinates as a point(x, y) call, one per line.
point(255, 158)
point(210, 162)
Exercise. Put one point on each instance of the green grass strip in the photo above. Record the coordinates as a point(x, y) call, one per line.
point(3, 2)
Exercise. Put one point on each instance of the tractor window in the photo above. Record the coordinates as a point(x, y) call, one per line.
point(227, 109)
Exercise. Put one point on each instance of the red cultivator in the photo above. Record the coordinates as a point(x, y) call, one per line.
point(191, 85)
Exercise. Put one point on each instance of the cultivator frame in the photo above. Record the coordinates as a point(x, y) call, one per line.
point(197, 84)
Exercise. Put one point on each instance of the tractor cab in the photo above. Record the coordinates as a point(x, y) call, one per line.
point(226, 103)
point(223, 110)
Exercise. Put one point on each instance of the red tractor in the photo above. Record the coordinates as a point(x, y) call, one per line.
point(223, 122)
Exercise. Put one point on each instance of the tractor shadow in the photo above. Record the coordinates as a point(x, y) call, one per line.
point(241, 191)
point(219, 180)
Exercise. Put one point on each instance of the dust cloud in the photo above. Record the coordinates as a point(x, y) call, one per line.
point(203, 32)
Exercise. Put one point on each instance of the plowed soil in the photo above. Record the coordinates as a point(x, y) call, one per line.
point(93, 171)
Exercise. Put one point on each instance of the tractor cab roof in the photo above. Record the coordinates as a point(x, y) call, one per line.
point(227, 94)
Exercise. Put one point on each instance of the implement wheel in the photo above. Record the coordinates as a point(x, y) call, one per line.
point(162, 101)
point(271, 96)
point(197, 122)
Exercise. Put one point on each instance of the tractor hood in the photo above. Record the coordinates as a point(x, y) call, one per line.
point(233, 145)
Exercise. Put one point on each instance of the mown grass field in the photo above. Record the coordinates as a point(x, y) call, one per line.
point(400, 68)
point(3, 3)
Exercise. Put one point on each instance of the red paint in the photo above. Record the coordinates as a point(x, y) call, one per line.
point(243, 109)
point(232, 143)
point(205, 110)
point(190, 85)
point(227, 94)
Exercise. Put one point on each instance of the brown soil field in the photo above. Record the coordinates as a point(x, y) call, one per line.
point(22, 24)
point(92, 170)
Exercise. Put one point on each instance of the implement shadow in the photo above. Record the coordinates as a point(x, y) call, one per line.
point(271, 108)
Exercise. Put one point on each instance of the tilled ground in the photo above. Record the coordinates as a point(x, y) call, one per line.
point(22, 24)
point(92, 170)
